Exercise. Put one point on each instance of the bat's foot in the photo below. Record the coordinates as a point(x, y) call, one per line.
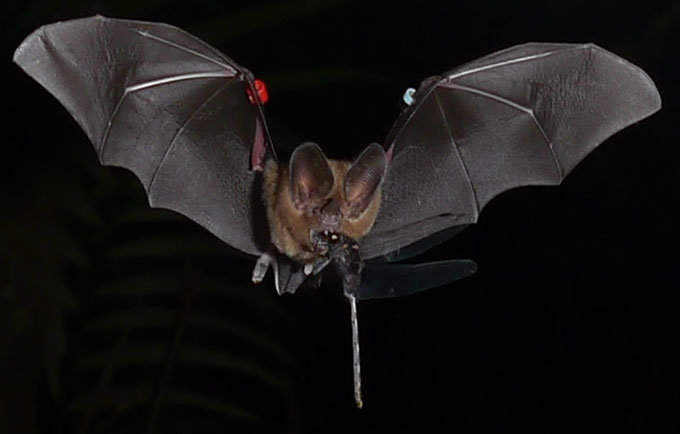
point(261, 267)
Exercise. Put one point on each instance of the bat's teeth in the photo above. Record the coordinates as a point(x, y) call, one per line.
point(309, 267)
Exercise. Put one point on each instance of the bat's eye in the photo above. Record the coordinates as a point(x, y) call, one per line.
point(317, 209)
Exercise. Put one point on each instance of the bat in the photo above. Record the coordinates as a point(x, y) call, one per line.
point(189, 123)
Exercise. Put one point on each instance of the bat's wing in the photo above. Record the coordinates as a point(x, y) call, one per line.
point(522, 116)
point(182, 116)
point(420, 246)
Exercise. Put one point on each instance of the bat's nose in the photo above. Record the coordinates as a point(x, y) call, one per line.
point(331, 215)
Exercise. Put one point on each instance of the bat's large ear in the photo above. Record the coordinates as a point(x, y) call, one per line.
point(311, 178)
point(364, 178)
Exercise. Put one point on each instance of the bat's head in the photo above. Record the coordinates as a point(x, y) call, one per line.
point(315, 194)
point(337, 196)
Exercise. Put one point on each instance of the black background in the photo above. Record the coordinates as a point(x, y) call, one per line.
point(570, 325)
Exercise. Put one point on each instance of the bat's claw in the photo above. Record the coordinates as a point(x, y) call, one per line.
point(261, 267)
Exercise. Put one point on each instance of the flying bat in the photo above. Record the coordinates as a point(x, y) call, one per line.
point(189, 123)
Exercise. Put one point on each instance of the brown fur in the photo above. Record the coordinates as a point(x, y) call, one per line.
point(289, 227)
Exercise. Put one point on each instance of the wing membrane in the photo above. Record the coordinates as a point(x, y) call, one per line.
point(163, 104)
point(398, 280)
point(522, 116)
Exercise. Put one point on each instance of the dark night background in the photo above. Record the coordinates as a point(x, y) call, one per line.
point(115, 318)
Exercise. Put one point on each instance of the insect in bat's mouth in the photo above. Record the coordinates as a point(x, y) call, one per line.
point(343, 252)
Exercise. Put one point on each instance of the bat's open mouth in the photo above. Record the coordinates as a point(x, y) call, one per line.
point(343, 252)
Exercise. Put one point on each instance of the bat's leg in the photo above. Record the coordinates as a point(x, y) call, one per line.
point(262, 265)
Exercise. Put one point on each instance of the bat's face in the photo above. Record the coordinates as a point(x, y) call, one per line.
point(315, 204)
